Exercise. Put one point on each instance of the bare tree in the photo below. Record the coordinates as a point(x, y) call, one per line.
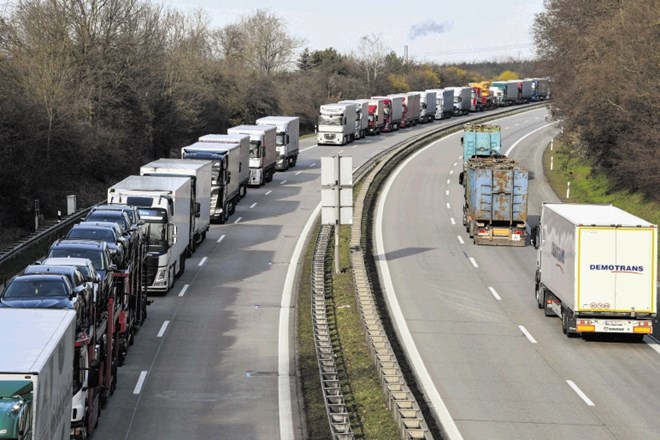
point(371, 57)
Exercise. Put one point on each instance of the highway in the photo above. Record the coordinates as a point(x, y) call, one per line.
point(215, 357)
point(496, 367)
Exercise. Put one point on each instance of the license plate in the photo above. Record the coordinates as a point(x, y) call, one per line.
point(500, 232)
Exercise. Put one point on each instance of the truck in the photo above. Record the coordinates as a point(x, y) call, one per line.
point(263, 151)
point(526, 89)
point(166, 205)
point(479, 140)
point(336, 124)
point(361, 117)
point(199, 173)
point(596, 269)
point(495, 203)
point(230, 173)
point(389, 113)
point(444, 100)
point(462, 99)
point(413, 101)
point(376, 120)
point(396, 112)
point(428, 106)
point(287, 139)
point(507, 92)
point(36, 375)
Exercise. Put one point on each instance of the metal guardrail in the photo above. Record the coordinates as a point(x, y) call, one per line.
point(325, 339)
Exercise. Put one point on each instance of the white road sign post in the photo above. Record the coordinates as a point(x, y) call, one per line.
point(337, 195)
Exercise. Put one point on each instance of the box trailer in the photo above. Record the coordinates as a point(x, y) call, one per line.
point(287, 139)
point(376, 120)
point(428, 106)
point(36, 373)
point(361, 116)
point(596, 269)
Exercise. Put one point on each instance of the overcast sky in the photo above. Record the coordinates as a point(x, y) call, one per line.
point(433, 30)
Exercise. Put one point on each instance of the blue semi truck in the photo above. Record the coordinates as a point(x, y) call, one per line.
point(480, 141)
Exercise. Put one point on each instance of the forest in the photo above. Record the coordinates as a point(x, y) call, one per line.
point(93, 88)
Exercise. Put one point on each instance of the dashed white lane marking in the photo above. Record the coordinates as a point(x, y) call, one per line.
point(474, 262)
point(527, 334)
point(270, 190)
point(201, 263)
point(283, 182)
point(312, 165)
point(238, 220)
point(448, 181)
point(580, 393)
point(460, 157)
point(339, 152)
point(253, 205)
point(183, 291)
point(355, 146)
point(497, 297)
point(140, 382)
point(448, 206)
point(308, 148)
point(222, 237)
point(451, 172)
point(460, 239)
point(163, 327)
point(453, 222)
point(454, 164)
point(447, 192)
point(298, 172)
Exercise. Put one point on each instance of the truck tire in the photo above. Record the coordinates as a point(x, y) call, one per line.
point(540, 294)
point(231, 208)
point(182, 266)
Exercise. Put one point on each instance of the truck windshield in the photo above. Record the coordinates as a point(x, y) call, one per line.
point(30, 288)
point(255, 150)
point(331, 120)
point(157, 222)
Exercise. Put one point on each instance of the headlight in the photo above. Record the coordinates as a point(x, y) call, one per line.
point(160, 275)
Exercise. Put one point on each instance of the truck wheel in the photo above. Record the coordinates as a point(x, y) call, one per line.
point(539, 295)
point(232, 208)
point(182, 266)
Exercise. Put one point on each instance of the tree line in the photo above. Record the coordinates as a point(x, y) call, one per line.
point(604, 61)
point(91, 89)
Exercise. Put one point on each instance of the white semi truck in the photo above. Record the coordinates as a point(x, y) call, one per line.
point(230, 173)
point(336, 124)
point(361, 116)
point(199, 172)
point(462, 99)
point(36, 373)
point(596, 269)
point(413, 101)
point(287, 139)
point(263, 151)
point(167, 207)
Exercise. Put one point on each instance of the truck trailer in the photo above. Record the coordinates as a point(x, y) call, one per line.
point(361, 116)
point(230, 174)
point(36, 374)
point(396, 112)
point(388, 113)
point(428, 106)
point(444, 100)
point(166, 205)
point(462, 100)
point(495, 208)
point(413, 101)
point(199, 172)
point(479, 140)
point(263, 151)
point(596, 269)
point(287, 137)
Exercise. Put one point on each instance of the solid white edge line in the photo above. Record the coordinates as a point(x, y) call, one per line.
point(183, 291)
point(474, 262)
point(238, 220)
point(527, 334)
point(163, 327)
point(270, 191)
point(453, 222)
point(140, 382)
point(528, 134)
point(201, 263)
point(580, 393)
point(222, 237)
point(431, 392)
point(494, 293)
point(460, 239)
point(284, 377)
